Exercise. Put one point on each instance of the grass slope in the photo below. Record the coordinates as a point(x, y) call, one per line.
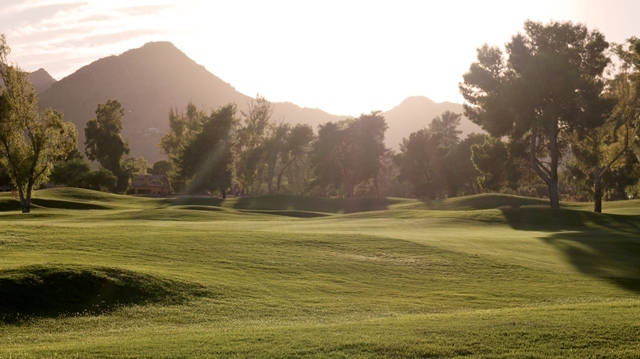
point(478, 277)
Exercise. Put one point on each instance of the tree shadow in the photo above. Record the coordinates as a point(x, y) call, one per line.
point(314, 204)
point(193, 201)
point(603, 246)
point(51, 203)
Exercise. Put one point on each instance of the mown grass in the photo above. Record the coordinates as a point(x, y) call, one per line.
point(302, 277)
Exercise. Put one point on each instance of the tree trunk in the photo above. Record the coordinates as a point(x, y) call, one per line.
point(597, 192)
point(548, 175)
point(279, 180)
point(26, 206)
point(554, 198)
point(25, 201)
point(553, 185)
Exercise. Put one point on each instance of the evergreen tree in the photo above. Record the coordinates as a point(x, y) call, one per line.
point(104, 142)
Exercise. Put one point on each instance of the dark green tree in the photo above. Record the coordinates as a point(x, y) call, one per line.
point(181, 127)
point(206, 160)
point(599, 150)
point(492, 160)
point(548, 87)
point(329, 157)
point(349, 153)
point(249, 150)
point(447, 125)
point(104, 142)
point(296, 145)
point(421, 164)
point(161, 167)
point(71, 173)
point(365, 148)
point(274, 147)
point(460, 172)
point(101, 179)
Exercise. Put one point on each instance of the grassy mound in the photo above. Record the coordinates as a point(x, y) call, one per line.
point(39, 291)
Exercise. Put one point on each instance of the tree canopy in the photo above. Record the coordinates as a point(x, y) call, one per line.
point(549, 86)
point(104, 142)
point(30, 141)
point(205, 160)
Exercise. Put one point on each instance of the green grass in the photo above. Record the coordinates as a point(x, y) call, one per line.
point(89, 274)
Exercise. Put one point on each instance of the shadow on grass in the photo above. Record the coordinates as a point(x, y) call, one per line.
point(314, 204)
point(604, 246)
point(7, 205)
point(51, 292)
point(293, 214)
point(52, 203)
point(193, 201)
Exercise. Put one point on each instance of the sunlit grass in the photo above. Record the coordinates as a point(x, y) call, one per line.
point(360, 278)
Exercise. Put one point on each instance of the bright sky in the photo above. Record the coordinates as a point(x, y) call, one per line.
point(346, 57)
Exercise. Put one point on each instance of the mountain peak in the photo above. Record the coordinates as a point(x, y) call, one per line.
point(416, 112)
point(41, 80)
point(412, 101)
point(147, 81)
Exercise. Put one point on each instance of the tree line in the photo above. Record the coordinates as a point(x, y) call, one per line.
point(559, 105)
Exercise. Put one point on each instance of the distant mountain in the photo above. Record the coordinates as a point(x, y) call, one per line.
point(150, 80)
point(41, 80)
point(417, 112)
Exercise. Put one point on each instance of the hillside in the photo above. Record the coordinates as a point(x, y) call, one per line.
point(147, 81)
point(150, 80)
point(417, 112)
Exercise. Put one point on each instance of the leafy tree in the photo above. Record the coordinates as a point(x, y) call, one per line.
point(137, 166)
point(161, 167)
point(446, 125)
point(30, 142)
point(460, 172)
point(101, 179)
point(366, 149)
point(349, 153)
point(599, 150)
point(274, 146)
point(181, 127)
point(387, 179)
point(329, 157)
point(105, 144)
point(502, 165)
point(492, 160)
point(71, 173)
point(294, 144)
point(205, 159)
point(420, 162)
point(249, 149)
point(548, 87)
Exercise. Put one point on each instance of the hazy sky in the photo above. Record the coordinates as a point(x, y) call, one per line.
point(345, 57)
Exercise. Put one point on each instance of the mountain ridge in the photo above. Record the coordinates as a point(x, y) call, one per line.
point(152, 79)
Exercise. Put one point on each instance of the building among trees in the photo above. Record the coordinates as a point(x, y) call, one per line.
point(150, 184)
